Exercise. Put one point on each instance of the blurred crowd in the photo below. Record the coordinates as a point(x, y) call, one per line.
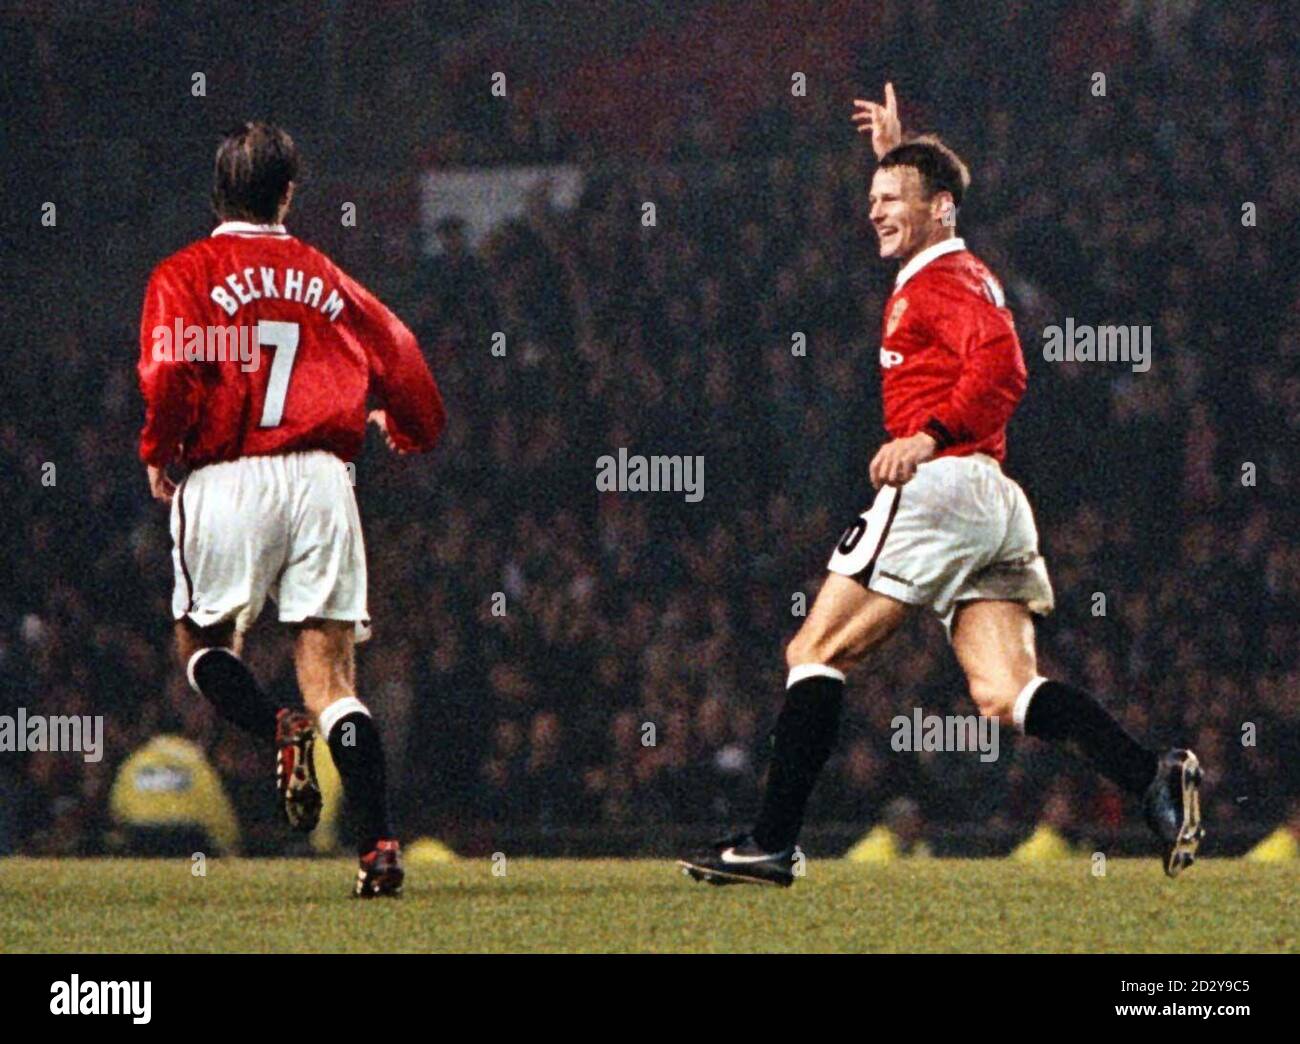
point(548, 656)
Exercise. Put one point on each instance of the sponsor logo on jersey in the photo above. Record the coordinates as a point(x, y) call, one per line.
point(888, 358)
point(895, 316)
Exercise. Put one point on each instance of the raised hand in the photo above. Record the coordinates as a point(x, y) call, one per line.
point(880, 121)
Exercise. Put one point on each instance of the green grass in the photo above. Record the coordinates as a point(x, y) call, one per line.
point(643, 905)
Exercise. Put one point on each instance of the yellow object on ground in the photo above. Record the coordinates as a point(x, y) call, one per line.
point(1043, 844)
point(1279, 847)
point(169, 782)
point(882, 845)
point(325, 838)
point(426, 850)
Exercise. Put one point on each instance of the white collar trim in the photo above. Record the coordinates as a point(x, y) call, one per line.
point(919, 261)
point(247, 228)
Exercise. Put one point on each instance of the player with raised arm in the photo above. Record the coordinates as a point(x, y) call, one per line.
point(947, 530)
point(257, 357)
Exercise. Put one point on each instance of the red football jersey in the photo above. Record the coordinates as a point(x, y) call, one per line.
point(951, 364)
point(254, 343)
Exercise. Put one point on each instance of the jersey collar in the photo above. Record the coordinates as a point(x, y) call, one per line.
point(919, 261)
point(247, 228)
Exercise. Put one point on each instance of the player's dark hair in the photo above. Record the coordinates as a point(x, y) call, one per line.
point(255, 163)
point(940, 168)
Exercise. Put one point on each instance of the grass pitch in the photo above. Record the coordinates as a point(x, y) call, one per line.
point(290, 905)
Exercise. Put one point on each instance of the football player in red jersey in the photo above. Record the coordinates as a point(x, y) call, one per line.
point(257, 357)
point(947, 530)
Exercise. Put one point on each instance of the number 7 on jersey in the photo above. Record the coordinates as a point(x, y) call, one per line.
point(283, 337)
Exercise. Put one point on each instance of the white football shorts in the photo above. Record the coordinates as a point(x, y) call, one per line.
point(960, 530)
point(284, 526)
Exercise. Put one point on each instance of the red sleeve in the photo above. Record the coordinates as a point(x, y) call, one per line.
point(172, 387)
point(400, 378)
point(993, 376)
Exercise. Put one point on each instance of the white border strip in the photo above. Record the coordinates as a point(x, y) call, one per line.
point(339, 709)
point(812, 670)
point(1021, 707)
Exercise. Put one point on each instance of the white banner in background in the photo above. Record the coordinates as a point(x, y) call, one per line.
point(486, 198)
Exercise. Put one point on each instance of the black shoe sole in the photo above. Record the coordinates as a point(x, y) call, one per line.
point(712, 875)
point(1182, 853)
point(301, 800)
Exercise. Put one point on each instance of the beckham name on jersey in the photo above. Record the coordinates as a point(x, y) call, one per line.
point(269, 282)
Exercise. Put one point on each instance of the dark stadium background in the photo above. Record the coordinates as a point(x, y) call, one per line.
point(626, 609)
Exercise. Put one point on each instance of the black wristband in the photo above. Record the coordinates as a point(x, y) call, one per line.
point(941, 435)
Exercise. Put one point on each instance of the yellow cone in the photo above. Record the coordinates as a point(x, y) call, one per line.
point(1042, 845)
point(426, 850)
point(1279, 847)
point(879, 846)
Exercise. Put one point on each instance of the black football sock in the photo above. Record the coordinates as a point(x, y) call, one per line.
point(359, 756)
point(1064, 714)
point(230, 687)
point(805, 735)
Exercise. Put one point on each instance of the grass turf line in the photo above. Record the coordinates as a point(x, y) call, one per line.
point(292, 905)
